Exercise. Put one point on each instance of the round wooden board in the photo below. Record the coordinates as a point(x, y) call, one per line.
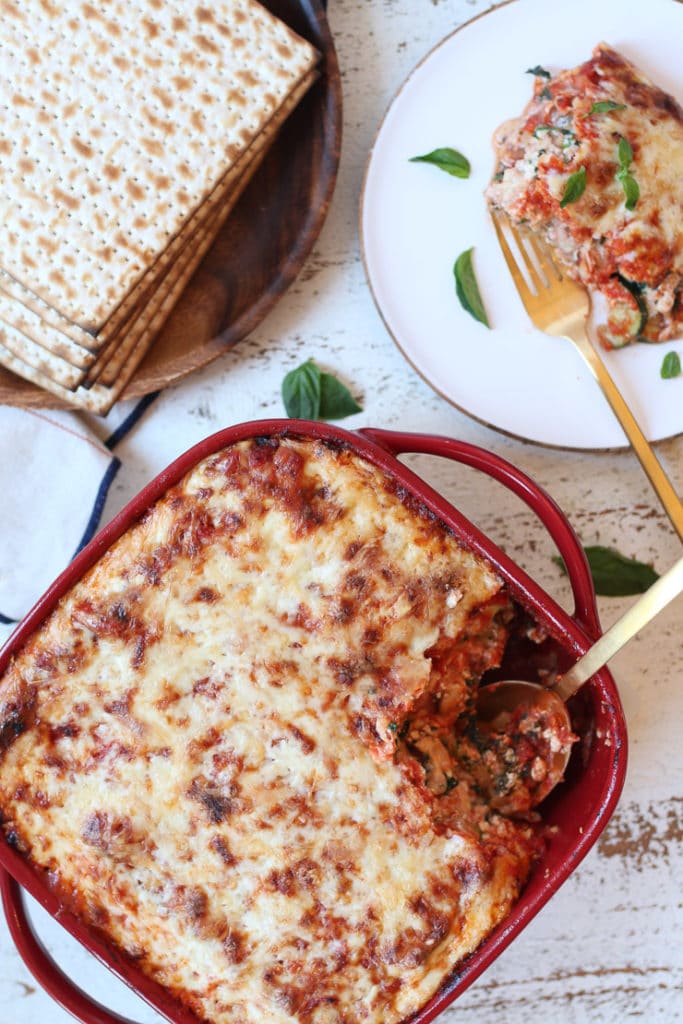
point(264, 243)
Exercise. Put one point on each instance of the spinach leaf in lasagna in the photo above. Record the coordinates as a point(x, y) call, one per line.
point(567, 135)
point(467, 288)
point(552, 128)
point(605, 106)
point(446, 159)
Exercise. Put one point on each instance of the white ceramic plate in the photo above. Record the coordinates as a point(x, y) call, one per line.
point(415, 220)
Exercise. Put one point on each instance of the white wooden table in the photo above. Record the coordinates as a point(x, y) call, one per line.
point(609, 945)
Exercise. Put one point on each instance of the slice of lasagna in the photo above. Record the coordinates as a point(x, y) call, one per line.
point(595, 166)
point(229, 750)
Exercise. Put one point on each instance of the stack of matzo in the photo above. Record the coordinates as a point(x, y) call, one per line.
point(127, 131)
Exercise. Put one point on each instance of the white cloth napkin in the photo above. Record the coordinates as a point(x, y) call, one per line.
point(55, 473)
point(54, 478)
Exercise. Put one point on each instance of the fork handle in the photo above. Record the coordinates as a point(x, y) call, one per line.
point(673, 506)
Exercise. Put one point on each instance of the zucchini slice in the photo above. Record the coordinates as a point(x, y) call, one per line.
point(626, 316)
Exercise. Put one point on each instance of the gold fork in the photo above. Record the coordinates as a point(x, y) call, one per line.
point(559, 306)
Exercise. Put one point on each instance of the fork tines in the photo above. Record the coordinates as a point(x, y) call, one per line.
point(541, 269)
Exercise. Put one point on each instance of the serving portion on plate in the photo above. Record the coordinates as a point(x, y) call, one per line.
point(509, 375)
point(215, 218)
point(594, 167)
point(239, 752)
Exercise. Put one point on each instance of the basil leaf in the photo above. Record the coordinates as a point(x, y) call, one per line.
point(446, 159)
point(615, 575)
point(336, 401)
point(628, 182)
point(310, 394)
point(671, 366)
point(631, 189)
point(604, 106)
point(625, 153)
point(301, 391)
point(539, 72)
point(467, 288)
point(575, 187)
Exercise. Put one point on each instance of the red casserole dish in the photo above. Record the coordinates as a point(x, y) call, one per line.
point(577, 811)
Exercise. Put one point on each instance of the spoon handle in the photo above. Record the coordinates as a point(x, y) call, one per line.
point(659, 595)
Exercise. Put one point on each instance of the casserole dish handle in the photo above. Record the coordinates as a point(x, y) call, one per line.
point(539, 501)
point(42, 966)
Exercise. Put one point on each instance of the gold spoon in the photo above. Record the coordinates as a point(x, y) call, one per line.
point(500, 703)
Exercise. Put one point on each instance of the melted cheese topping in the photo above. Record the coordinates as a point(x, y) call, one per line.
point(634, 257)
point(202, 747)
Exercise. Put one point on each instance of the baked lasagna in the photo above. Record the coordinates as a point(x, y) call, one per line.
point(594, 165)
point(231, 750)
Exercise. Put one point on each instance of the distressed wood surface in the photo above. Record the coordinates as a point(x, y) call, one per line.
point(609, 945)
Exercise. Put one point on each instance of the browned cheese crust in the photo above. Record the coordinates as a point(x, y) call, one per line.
point(212, 752)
